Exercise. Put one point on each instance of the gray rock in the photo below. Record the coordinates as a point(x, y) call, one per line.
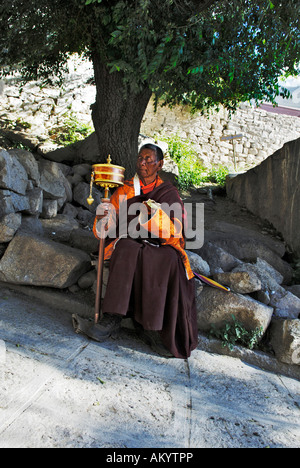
point(218, 259)
point(29, 163)
point(86, 150)
point(84, 170)
point(70, 210)
point(36, 261)
point(295, 289)
point(11, 202)
point(198, 264)
point(84, 240)
point(285, 304)
point(86, 217)
point(12, 174)
point(74, 179)
point(105, 277)
point(59, 228)
point(31, 225)
point(247, 245)
point(81, 193)
point(9, 224)
point(242, 282)
point(35, 199)
point(263, 296)
point(216, 307)
point(49, 209)
point(285, 340)
point(87, 280)
point(53, 182)
point(269, 277)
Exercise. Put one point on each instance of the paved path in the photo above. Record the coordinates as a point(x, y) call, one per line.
point(59, 390)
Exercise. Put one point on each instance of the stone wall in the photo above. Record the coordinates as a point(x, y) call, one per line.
point(35, 110)
point(272, 192)
point(263, 133)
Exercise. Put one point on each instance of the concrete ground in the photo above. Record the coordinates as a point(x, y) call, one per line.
point(62, 390)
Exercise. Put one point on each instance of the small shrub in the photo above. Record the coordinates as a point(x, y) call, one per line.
point(189, 167)
point(70, 131)
point(217, 175)
point(235, 333)
point(192, 173)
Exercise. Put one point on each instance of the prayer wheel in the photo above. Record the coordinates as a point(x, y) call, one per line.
point(106, 175)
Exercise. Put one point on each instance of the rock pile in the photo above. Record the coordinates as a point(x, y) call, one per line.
point(46, 240)
point(42, 204)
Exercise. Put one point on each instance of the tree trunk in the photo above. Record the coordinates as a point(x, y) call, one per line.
point(117, 115)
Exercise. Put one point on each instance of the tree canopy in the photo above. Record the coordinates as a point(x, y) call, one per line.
point(203, 53)
point(198, 52)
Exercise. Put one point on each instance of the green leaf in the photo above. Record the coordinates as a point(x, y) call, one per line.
point(116, 33)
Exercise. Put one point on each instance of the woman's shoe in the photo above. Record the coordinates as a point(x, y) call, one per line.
point(153, 339)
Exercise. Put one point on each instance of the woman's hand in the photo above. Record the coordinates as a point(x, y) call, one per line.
point(103, 210)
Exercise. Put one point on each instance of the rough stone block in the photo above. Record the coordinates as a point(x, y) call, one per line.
point(12, 174)
point(40, 262)
point(285, 340)
point(217, 307)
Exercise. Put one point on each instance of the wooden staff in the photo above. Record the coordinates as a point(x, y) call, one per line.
point(100, 263)
point(107, 176)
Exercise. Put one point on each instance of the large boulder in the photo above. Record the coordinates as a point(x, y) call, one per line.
point(85, 240)
point(247, 245)
point(60, 227)
point(37, 261)
point(217, 307)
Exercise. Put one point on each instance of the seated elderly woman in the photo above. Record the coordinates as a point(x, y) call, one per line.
point(150, 279)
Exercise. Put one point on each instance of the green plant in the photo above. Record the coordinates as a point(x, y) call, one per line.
point(19, 145)
point(191, 170)
point(234, 332)
point(22, 124)
point(218, 175)
point(17, 124)
point(70, 131)
point(184, 154)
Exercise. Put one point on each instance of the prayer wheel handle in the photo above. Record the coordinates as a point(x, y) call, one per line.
point(107, 176)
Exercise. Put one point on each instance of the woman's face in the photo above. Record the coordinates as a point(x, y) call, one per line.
point(147, 165)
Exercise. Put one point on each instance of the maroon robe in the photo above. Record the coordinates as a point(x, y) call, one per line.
point(149, 283)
